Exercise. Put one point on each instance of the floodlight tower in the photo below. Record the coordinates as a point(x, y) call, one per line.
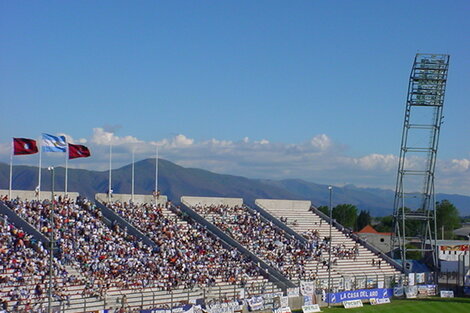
point(415, 228)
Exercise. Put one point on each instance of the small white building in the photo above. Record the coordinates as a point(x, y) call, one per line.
point(453, 254)
point(377, 239)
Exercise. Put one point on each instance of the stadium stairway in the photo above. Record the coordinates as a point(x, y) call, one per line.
point(301, 218)
point(138, 297)
point(154, 296)
point(21, 223)
point(273, 275)
point(113, 217)
point(312, 266)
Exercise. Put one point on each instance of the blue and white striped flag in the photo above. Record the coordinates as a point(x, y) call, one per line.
point(53, 143)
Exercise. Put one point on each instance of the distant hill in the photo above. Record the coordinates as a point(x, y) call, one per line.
point(175, 181)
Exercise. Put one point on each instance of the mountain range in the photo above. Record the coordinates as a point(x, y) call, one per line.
point(176, 181)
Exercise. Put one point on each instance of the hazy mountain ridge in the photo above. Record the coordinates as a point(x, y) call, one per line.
point(175, 181)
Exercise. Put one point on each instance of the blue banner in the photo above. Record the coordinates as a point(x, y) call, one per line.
point(187, 308)
point(378, 293)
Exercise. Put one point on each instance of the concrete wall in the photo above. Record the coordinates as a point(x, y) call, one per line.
point(192, 201)
point(31, 194)
point(123, 197)
point(283, 204)
point(381, 242)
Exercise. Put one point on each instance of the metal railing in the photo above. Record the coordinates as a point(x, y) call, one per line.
point(133, 300)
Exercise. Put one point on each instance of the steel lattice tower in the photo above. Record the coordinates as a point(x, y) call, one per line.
point(415, 227)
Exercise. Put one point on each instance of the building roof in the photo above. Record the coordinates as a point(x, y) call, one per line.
point(371, 230)
point(463, 232)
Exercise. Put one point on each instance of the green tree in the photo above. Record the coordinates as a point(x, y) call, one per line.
point(346, 215)
point(363, 219)
point(447, 216)
point(385, 224)
point(413, 227)
point(324, 209)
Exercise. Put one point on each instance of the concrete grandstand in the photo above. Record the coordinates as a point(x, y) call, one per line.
point(115, 254)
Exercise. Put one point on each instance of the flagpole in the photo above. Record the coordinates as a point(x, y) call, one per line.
point(156, 171)
point(133, 173)
point(11, 170)
point(40, 164)
point(66, 169)
point(109, 179)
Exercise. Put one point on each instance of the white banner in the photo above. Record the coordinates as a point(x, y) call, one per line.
point(427, 290)
point(376, 301)
point(283, 310)
point(411, 292)
point(411, 279)
point(307, 288)
point(312, 308)
point(284, 301)
point(420, 278)
point(226, 307)
point(360, 283)
point(256, 303)
point(447, 294)
point(293, 292)
point(352, 304)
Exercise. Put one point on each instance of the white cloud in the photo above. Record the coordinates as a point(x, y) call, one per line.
point(461, 165)
point(70, 139)
point(181, 141)
point(377, 161)
point(5, 148)
point(322, 142)
point(103, 137)
point(319, 159)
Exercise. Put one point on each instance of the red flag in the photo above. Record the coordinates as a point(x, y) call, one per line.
point(78, 151)
point(24, 146)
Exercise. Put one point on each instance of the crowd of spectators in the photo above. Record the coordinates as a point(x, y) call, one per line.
point(110, 257)
point(261, 237)
point(105, 255)
point(272, 244)
point(186, 251)
point(24, 271)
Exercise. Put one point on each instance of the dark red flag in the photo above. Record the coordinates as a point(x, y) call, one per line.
point(78, 151)
point(24, 146)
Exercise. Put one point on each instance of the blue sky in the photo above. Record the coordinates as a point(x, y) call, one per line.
point(266, 89)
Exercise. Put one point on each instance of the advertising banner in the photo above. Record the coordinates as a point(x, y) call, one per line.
point(227, 307)
point(360, 294)
point(447, 294)
point(293, 292)
point(312, 308)
point(411, 292)
point(188, 308)
point(427, 290)
point(411, 279)
point(308, 300)
point(398, 291)
point(374, 301)
point(420, 278)
point(307, 288)
point(350, 304)
point(283, 310)
point(284, 302)
point(256, 303)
